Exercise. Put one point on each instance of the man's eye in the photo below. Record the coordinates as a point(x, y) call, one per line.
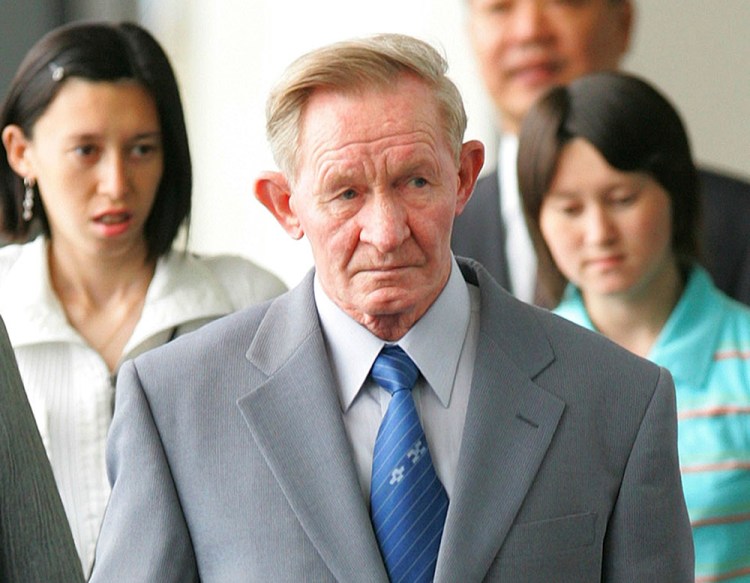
point(348, 194)
point(419, 182)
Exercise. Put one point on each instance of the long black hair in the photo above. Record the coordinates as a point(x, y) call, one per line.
point(634, 127)
point(99, 51)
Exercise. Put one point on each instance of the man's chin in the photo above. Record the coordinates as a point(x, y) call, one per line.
point(387, 302)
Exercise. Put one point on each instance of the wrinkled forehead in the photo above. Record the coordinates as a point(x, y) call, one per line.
point(369, 119)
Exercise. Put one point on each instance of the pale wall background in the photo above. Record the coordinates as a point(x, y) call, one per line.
point(227, 54)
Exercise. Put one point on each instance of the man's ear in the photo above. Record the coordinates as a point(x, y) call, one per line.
point(470, 164)
point(16, 145)
point(272, 190)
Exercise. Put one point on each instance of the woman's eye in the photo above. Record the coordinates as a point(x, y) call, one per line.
point(624, 199)
point(85, 150)
point(570, 211)
point(145, 149)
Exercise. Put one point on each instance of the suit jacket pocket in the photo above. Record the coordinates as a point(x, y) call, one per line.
point(545, 537)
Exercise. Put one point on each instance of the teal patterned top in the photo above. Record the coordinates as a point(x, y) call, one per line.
point(705, 344)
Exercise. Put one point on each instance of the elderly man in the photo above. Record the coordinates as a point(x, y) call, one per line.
point(524, 47)
point(397, 416)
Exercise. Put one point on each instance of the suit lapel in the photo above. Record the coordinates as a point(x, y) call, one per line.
point(509, 426)
point(295, 419)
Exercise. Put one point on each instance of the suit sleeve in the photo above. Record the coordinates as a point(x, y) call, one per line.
point(144, 535)
point(35, 539)
point(649, 537)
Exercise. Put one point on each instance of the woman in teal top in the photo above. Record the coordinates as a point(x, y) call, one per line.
point(611, 196)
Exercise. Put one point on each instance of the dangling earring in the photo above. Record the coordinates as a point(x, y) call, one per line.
point(28, 199)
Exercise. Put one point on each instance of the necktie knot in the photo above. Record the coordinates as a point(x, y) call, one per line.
point(394, 370)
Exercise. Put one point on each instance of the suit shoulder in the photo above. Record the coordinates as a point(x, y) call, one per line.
point(485, 192)
point(564, 332)
point(531, 335)
point(598, 379)
point(478, 231)
point(234, 331)
point(719, 186)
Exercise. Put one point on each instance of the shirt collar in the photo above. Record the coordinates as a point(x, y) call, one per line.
point(31, 310)
point(434, 343)
point(510, 200)
point(685, 334)
point(182, 290)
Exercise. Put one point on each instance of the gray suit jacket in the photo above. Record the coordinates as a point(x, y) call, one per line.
point(479, 232)
point(230, 462)
point(35, 541)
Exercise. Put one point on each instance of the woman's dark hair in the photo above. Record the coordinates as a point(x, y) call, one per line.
point(635, 129)
point(100, 52)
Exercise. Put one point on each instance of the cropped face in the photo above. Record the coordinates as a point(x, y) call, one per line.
point(608, 231)
point(524, 47)
point(96, 155)
point(376, 193)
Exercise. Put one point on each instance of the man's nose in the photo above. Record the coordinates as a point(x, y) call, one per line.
point(385, 222)
point(529, 21)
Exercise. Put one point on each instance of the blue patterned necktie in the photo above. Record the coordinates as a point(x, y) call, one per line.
point(408, 503)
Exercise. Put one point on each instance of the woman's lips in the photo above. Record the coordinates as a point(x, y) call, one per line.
point(113, 223)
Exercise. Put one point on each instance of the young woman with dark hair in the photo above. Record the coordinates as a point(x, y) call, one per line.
point(611, 196)
point(97, 161)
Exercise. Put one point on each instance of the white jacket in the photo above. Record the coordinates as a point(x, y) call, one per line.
point(69, 385)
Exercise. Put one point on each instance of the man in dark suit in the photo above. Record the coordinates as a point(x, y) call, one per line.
point(397, 416)
point(523, 47)
point(36, 544)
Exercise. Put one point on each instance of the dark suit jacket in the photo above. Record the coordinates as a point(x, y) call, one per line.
point(35, 541)
point(725, 234)
point(230, 461)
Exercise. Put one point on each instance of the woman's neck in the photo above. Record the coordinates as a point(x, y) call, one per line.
point(634, 319)
point(102, 297)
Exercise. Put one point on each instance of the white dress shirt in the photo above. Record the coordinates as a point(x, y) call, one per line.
point(519, 250)
point(442, 344)
point(69, 386)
